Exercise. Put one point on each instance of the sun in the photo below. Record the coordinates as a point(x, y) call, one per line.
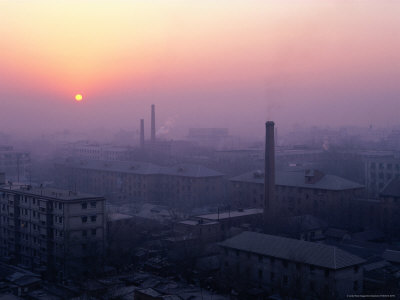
point(78, 97)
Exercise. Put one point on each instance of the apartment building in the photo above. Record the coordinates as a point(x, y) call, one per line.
point(87, 150)
point(183, 185)
point(291, 267)
point(50, 229)
point(299, 193)
point(390, 208)
point(379, 171)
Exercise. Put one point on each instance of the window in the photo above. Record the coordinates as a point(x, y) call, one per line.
point(84, 205)
point(93, 218)
point(312, 286)
point(260, 273)
point(94, 231)
point(355, 286)
point(84, 219)
point(84, 233)
point(326, 289)
point(285, 280)
point(326, 273)
point(93, 204)
point(356, 269)
point(272, 276)
point(312, 269)
point(60, 206)
point(285, 263)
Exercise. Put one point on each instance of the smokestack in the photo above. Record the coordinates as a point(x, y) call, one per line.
point(269, 173)
point(153, 123)
point(141, 133)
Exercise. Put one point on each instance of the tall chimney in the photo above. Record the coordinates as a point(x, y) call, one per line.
point(269, 177)
point(153, 123)
point(141, 133)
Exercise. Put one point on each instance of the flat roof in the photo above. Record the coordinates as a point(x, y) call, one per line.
point(57, 194)
point(118, 216)
point(232, 214)
point(196, 222)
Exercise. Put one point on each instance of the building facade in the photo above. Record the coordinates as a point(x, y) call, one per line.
point(50, 229)
point(299, 193)
point(184, 185)
point(290, 267)
point(379, 171)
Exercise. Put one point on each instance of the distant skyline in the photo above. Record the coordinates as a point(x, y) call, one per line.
point(207, 63)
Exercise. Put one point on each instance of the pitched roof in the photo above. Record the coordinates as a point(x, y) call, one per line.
point(392, 188)
point(232, 214)
point(297, 179)
point(294, 250)
point(143, 168)
point(392, 256)
point(191, 170)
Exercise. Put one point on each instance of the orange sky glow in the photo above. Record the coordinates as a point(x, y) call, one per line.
point(56, 49)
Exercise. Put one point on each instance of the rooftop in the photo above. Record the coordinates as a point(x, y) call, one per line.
point(196, 222)
point(118, 216)
point(294, 250)
point(392, 256)
point(232, 214)
point(46, 192)
point(297, 179)
point(144, 168)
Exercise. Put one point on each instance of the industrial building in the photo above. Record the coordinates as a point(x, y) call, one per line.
point(290, 267)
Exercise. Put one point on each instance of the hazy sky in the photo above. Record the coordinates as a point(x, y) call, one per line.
point(203, 63)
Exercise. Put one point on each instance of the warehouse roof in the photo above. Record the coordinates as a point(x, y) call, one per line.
point(293, 250)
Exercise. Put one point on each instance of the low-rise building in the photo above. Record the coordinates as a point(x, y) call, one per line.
point(215, 227)
point(312, 192)
point(289, 266)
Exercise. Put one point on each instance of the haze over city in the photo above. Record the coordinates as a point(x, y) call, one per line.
point(221, 64)
point(187, 150)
